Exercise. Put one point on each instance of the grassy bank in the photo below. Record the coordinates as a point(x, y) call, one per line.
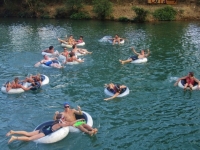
point(122, 12)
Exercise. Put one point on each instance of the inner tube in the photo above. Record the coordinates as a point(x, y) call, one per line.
point(125, 92)
point(73, 62)
point(54, 61)
point(121, 41)
point(50, 54)
point(44, 78)
point(140, 60)
point(87, 118)
point(53, 137)
point(181, 84)
point(70, 46)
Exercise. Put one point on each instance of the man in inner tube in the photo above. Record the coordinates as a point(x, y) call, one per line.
point(69, 116)
point(135, 57)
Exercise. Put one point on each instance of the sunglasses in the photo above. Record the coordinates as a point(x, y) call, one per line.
point(66, 106)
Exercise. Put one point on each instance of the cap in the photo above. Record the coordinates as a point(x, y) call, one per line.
point(66, 104)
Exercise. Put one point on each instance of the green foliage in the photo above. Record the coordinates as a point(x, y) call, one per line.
point(123, 19)
point(74, 5)
point(141, 14)
point(80, 15)
point(103, 8)
point(166, 13)
point(61, 12)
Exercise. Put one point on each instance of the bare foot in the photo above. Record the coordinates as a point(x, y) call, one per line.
point(95, 130)
point(9, 133)
point(91, 133)
point(89, 52)
point(12, 139)
point(121, 62)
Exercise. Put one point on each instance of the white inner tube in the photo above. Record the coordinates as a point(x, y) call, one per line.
point(121, 42)
point(87, 118)
point(70, 46)
point(109, 93)
point(181, 84)
point(45, 80)
point(53, 137)
point(140, 60)
point(73, 62)
point(56, 53)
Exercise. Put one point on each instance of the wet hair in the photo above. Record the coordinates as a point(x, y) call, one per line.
point(71, 54)
point(16, 79)
point(74, 46)
point(191, 74)
point(50, 47)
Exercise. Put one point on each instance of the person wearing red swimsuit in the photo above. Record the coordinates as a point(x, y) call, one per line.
point(190, 80)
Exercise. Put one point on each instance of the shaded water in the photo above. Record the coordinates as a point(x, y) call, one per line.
point(155, 115)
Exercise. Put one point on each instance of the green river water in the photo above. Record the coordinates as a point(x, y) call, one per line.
point(155, 115)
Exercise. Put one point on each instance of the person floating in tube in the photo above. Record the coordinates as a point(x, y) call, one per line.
point(116, 89)
point(190, 81)
point(135, 57)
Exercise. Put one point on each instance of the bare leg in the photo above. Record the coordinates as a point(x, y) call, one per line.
point(85, 130)
point(185, 86)
point(25, 138)
point(55, 65)
point(191, 86)
point(11, 132)
point(125, 61)
point(87, 127)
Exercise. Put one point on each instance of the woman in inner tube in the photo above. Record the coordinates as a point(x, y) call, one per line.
point(116, 89)
point(190, 80)
point(34, 135)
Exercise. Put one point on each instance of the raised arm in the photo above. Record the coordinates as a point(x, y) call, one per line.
point(135, 51)
point(78, 112)
point(62, 41)
point(148, 53)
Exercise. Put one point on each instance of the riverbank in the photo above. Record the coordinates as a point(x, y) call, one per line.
point(184, 12)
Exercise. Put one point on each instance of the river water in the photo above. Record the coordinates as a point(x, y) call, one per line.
point(155, 115)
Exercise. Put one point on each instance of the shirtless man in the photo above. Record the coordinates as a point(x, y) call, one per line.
point(69, 115)
point(69, 41)
point(15, 85)
point(138, 56)
point(49, 62)
point(72, 57)
point(49, 50)
point(116, 39)
point(65, 53)
point(79, 50)
point(33, 79)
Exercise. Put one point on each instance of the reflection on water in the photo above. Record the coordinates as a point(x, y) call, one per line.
point(155, 115)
